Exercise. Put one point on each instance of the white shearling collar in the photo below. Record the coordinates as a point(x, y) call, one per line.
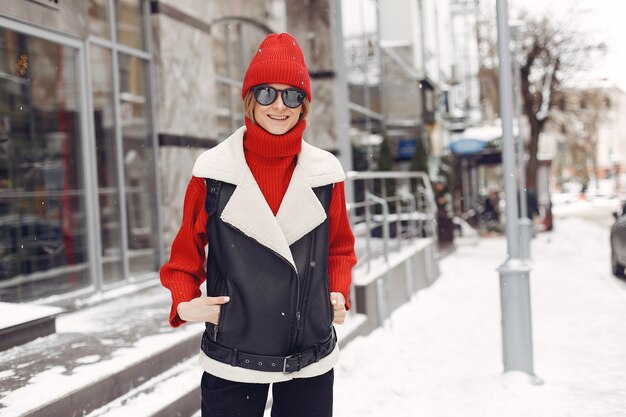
point(247, 210)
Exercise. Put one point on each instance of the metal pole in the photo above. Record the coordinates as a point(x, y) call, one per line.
point(525, 224)
point(342, 114)
point(514, 273)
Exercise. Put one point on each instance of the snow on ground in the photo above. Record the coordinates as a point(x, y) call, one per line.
point(441, 354)
point(563, 205)
point(12, 314)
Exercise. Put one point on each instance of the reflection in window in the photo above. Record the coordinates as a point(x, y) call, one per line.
point(130, 23)
point(42, 214)
point(99, 18)
point(138, 165)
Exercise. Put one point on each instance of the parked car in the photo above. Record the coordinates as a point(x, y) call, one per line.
point(618, 243)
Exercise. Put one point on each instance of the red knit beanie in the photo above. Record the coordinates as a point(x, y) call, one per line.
point(279, 60)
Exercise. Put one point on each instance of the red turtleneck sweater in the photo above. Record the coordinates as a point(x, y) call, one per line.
point(272, 159)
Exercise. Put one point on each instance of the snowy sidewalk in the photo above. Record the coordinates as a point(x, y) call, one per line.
point(441, 355)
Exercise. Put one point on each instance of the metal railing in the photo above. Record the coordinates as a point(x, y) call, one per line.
point(389, 210)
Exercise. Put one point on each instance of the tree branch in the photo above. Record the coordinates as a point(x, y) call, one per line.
point(546, 91)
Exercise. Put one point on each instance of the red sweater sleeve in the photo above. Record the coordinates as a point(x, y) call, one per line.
point(184, 272)
point(341, 256)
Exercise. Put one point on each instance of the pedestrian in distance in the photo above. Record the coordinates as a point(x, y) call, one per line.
point(271, 208)
point(492, 207)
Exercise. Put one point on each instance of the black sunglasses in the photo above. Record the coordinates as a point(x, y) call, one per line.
point(266, 95)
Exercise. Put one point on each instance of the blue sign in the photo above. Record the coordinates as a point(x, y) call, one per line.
point(467, 146)
point(406, 148)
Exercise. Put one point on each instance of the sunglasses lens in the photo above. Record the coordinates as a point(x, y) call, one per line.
point(293, 97)
point(265, 95)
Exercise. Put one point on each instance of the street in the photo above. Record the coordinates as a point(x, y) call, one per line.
point(599, 211)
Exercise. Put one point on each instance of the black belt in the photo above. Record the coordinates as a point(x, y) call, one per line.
point(287, 364)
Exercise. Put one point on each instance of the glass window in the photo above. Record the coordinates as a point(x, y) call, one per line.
point(138, 165)
point(43, 248)
point(106, 158)
point(228, 120)
point(224, 126)
point(223, 94)
point(99, 18)
point(130, 23)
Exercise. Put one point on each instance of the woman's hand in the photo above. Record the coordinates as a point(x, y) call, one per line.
point(202, 309)
point(339, 307)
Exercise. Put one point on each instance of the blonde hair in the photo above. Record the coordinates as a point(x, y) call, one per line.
point(249, 101)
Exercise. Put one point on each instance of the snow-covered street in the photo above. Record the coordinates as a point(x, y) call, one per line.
point(440, 355)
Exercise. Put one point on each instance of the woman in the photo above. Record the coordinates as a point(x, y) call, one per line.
point(272, 210)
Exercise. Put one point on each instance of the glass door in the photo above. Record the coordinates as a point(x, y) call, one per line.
point(43, 216)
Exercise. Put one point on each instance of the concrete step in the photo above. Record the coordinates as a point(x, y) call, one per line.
point(21, 323)
point(176, 392)
point(97, 355)
point(118, 381)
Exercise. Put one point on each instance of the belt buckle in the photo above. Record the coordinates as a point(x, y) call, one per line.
point(285, 365)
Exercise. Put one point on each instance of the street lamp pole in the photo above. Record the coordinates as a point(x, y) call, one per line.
point(525, 223)
point(517, 346)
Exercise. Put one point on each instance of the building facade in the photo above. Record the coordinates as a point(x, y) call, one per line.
point(105, 106)
point(399, 66)
point(464, 96)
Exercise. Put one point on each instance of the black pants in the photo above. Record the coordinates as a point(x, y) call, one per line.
point(301, 397)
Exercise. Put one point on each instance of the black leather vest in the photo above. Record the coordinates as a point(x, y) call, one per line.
point(277, 319)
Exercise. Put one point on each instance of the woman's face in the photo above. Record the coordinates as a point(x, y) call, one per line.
point(276, 118)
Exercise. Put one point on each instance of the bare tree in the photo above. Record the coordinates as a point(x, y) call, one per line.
point(550, 52)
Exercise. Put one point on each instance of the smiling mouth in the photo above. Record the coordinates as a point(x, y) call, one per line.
point(277, 117)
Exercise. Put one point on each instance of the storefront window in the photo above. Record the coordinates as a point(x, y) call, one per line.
point(130, 23)
point(43, 248)
point(99, 18)
point(106, 163)
point(138, 165)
